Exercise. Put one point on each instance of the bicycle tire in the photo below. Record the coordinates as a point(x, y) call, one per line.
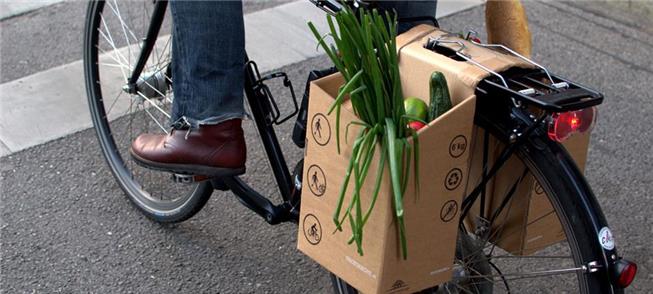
point(191, 197)
point(542, 158)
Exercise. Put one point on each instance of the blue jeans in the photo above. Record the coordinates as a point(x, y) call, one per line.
point(208, 57)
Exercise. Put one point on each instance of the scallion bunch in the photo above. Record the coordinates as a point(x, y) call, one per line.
point(365, 53)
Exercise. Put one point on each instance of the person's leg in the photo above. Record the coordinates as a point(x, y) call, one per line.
point(208, 61)
point(208, 76)
point(406, 9)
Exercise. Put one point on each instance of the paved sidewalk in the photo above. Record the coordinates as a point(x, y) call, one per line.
point(11, 8)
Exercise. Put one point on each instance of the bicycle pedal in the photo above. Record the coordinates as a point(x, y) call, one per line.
point(188, 179)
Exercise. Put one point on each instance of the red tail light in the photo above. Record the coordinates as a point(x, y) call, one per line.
point(624, 272)
point(565, 124)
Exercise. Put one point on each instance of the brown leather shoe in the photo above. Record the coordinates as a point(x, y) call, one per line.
point(211, 150)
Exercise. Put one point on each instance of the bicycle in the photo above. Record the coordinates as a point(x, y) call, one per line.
point(516, 120)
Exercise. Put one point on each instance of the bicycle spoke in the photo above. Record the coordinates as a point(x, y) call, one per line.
point(461, 288)
point(154, 56)
point(152, 87)
point(111, 55)
point(122, 66)
point(481, 275)
point(156, 121)
point(163, 52)
point(162, 60)
point(124, 26)
point(533, 256)
point(116, 11)
point(109, 38)
point(113, 65)
point(518, 231)
point(113, 104)
point(153, 104)
point(493, 234)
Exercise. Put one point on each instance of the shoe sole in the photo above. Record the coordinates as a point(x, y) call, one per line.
point(188, 169)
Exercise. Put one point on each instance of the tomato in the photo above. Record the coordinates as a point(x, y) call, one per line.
point(415, 108)
point(416, 125)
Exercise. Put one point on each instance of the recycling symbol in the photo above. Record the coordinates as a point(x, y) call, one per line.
point(453, 179)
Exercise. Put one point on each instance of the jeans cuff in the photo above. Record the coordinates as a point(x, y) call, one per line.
point(214, 120)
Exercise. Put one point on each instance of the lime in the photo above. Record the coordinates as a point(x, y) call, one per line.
point(415, 107)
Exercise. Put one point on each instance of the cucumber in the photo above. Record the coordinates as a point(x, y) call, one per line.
point(440, 101)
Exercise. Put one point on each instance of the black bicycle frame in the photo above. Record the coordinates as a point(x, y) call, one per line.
point(272, 213)
point(491, 112)
point(158, 13)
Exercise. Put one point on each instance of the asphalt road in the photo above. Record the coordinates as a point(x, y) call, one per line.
point(65, 226)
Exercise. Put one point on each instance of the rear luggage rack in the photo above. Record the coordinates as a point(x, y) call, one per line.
point(531, 87)
point(537, 87)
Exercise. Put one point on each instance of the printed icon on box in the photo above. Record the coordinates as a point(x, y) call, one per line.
point(448, 211)
point(316, 180)
point(458, 146)
point(312, 229)
point(398, 286)
point(453, 179)
point(538, 189)
point(320, 129)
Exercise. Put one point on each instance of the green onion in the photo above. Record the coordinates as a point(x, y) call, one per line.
point(365, 53)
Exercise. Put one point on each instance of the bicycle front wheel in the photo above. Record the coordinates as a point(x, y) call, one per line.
point(113, 40)
point(483, 263)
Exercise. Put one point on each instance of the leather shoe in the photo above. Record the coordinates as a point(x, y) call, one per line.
point(211, 150)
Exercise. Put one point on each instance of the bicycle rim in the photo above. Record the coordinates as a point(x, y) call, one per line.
point(113, 36)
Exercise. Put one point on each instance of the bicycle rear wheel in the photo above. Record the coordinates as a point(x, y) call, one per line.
point(112, 44)
point(483, 267)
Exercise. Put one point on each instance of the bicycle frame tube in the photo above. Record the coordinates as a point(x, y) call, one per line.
point(266, 131)
point(261, 205)
point(158, 14)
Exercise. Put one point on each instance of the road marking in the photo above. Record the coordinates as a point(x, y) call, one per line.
point(52, 104)
point(9, 8)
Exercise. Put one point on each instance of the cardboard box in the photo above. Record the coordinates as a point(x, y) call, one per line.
point(539, 226)
point(416, 63)
point(430, 219)
point(530, 205)
point(525, 220)
point(446, 168)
